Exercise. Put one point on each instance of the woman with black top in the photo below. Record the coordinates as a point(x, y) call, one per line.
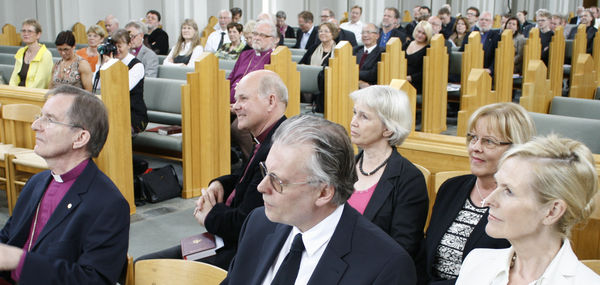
point(188, 48)
point(415, 51)
point(320, 53)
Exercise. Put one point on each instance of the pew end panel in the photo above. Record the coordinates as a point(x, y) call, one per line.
point(282, 64)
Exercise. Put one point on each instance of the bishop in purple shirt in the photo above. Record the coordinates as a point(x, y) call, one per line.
point(70, 224)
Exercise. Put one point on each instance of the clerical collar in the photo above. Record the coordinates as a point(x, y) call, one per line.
point(71, 174)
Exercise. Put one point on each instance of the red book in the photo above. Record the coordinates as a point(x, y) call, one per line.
point(198, 246)
point(169, 130)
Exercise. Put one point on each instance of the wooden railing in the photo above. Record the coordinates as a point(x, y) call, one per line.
point(536, 92)
point(341, 79)
point(9, 36)
point(435, 82)
point(392, 64)
point(282, 64)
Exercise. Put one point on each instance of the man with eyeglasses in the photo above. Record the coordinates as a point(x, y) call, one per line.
point(147, 56)
point(223, 207)
point(219, 37)
point(70, 224)
point(307, 35)
point(306, 233)
point(367, 56)
point(156, 39)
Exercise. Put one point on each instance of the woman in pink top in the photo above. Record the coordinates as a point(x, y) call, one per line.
point(390, 190)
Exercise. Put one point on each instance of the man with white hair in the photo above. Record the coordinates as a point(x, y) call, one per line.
point(219, 37)
point(111, 23)
point(147, 56)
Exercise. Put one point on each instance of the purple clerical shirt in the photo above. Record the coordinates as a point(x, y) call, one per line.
point(248, 61)
point(58, 187)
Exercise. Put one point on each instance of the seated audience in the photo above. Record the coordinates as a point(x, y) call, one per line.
point(308, 177)
point(367, 56)
point(355, 25)
point(225, 204)
point(139, 116)
point(472, 18)
point(575, 20)
point(327, 15)
point(425, 13)
point(542, 17)
point(111, 24)
point(388, 27)
point(33, 62)
point(71, 69)
point(219, 37)
point(286, 30)
point(95, 36)
point(588, 20)
point(319, 54)
point(248, 30)
point(236, 14)
point(525, 25)
point(80, 230)
point(545, 187)
point(233, 49)
point(148, 58)
point(390, 191)
point(415, 51)
point(447, 22)
point(460, 31)
point(518, 40)
point(489, 38)
point(410, 27)
point(307, 35)
point(436, 28)
point(459, 215)
point(187, 49)
point(156, 39)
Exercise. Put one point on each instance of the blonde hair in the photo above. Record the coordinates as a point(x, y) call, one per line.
point(96, 30)
point(509, 120)
point(181, 41)
point(563, 169)
point(426, 26)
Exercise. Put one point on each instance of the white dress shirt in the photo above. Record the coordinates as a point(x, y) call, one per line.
point(305, 37)
point(186, 47)
point(356, 28)
point(492, 266)
point(315, 241)
point(212, 43)
point(136, 73)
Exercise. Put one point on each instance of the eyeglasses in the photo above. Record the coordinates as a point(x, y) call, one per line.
point(44, 121)
point(261, 35)
point(276, 183)
point(487, 142)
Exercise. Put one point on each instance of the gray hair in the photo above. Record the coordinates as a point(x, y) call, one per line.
point(332, 158)
point(271, 83)
point(391, 105)
point(88, 112)
point(271, 25)
point(226, 11)
point(281, 14)
point(138, 26)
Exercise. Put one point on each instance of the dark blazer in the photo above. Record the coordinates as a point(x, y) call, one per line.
point(368, 71)
point(590, 34)
point(489, 47)
point(312, 39)
point(395, 33)
point(357, 253)
point(448, 202)
point(85, 240)
point(346, 35)
point(400, 203)
point(158, 41)
point(309, 52)
point(410, 27)
point(226, 221)
point(289, 32)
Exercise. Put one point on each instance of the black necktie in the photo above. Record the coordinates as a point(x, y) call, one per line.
point(362, 58)
point(222, 39)
point(288, 271)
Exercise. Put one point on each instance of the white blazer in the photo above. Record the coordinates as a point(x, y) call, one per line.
point(491, 266)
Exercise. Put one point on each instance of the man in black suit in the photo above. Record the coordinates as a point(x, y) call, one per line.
point(367, 56)
point(307, 35)
point(447, 22)
point(489, 39)
point(388, 29)
point(327, 15)
point(307, 233)
point(411, 26)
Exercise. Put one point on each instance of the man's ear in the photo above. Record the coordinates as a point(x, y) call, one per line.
point(81, 139)
point(326, 193)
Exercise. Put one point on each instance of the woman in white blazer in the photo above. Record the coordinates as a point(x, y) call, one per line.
point(545, 186)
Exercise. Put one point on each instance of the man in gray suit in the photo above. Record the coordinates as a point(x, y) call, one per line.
point(148, 58)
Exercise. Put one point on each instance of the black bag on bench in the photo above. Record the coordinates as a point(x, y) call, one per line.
point(160, 184)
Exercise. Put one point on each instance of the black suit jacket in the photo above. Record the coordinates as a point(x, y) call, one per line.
point(395, 33)
point(590, 34)
point(368, 71)
point(448, 202)
point(85, 240)
point(346, 35)
point(400, 203)
point(226, 221)
point(358, 253)
point(158, 41)
point(313, 39)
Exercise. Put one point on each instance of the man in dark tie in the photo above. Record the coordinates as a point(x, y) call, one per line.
point(367, 56)
point(307, 35)
point(261, 100)
point(306, 233)
point(219, 37)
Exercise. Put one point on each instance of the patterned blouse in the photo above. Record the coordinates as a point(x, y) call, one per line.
point(224, 53)
point(449, 255)
point(68, 75)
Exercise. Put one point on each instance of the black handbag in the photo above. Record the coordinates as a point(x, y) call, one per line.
point(160, 184)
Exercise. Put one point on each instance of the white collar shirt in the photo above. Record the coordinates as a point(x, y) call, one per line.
point(315, 242)
point(136, 73)
point(212, 43)
point(355, 28)
point(369, 50)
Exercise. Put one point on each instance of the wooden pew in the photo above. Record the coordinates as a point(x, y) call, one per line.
point(537, 95)
point(115, 159)
point(9, 36)
point(472, 58)
point(282, 64)
point(205, 125)
point(435, 82)
point(406, 17)
point(583, 77)
point(80, 33)
point(341, 79)
point(478, 93)
point(392, 64)
point(532, 49)
point(411, 92)
point(102, 25)
point(596, 56)
point(19, 95)
point(497, 22)
point(212, 21)
point(504, 67)
point(556, 61)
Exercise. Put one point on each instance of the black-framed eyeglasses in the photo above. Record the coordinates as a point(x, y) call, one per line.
point(44, 121)
point(487, 142)
point(275, 182)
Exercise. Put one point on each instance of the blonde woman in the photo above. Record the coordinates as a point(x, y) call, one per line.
point(188, 48)
point(545, 187)
point(33, 63)
point(95, 36)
